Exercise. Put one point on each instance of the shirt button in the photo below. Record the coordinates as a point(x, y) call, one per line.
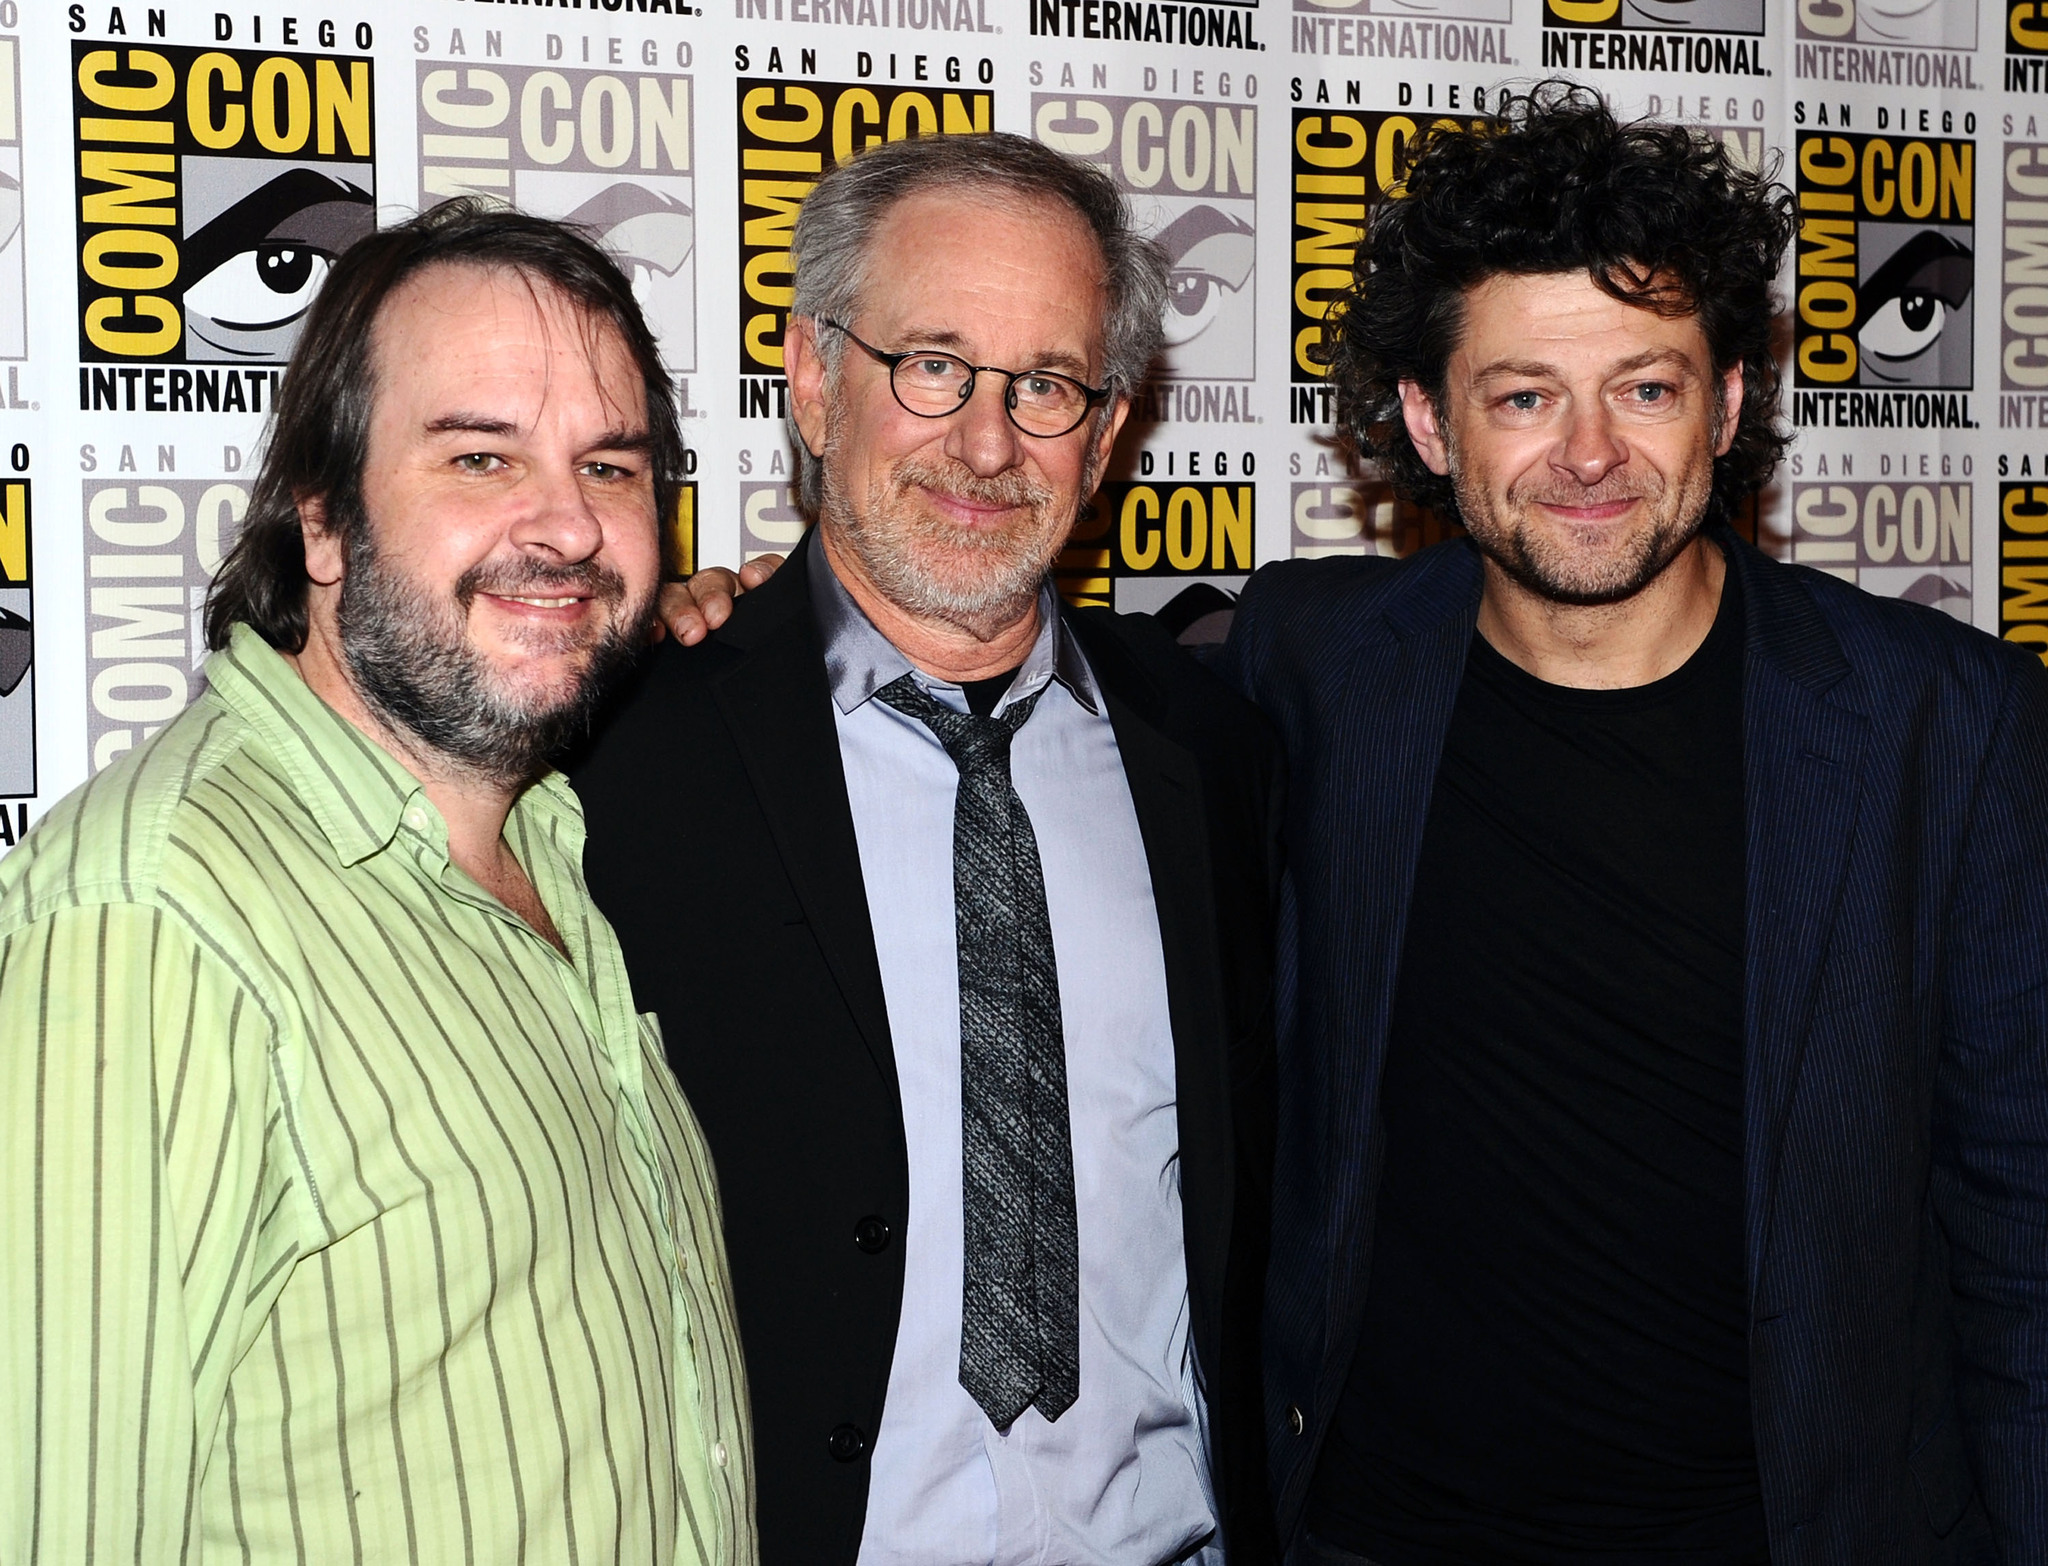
point(871, 1234)
point(845, 1443)
point(416, 819)
point(1294, 1419)
point(719, 1455)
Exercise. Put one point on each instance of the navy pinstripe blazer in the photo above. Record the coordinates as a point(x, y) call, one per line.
point(1896, 1067)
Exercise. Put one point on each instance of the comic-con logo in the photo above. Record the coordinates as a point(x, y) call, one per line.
point(788, 132)
point(215, 188)
point(2026, 28)
point(1909, 541)
point(1189, 172)
point(1922, 24)
point(2026, 45)
point(608, 150)
point(13, 266)
point(1177, 545)
point(2023, 276)
point(1358, 517)
point(1342, 163)
point(1886, 261)
point(17, 644)
point(150, 552)
point(2023, 565)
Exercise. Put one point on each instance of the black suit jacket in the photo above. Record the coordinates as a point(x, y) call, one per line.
point(1895, 1077)
point(722, 847)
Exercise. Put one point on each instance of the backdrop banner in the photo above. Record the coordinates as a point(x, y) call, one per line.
point(183, 174)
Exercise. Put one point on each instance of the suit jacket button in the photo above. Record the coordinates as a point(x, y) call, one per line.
point(845, 1443)
point(871, 1234)
point(1294, 1419)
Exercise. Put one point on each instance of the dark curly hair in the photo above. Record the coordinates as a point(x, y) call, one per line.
point(1657, 216)
point(319, 431)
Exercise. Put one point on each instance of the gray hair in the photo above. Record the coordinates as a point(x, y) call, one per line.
point(838, 219)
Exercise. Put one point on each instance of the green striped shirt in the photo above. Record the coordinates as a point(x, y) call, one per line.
point(341, 1217)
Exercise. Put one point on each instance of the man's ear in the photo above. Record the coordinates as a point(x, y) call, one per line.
point(1731, 408)
point(805, 370)
point(323, 544)
point(1420, 415)
point(1103, 440)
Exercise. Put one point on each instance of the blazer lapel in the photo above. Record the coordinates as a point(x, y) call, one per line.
point(1166, 793)
point(1399, 687)
point(1802, 757)
point(778, 708)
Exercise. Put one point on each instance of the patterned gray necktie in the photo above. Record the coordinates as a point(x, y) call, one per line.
point(1020, 1316)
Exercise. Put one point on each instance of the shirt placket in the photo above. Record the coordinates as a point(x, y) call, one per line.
point(611, 1020)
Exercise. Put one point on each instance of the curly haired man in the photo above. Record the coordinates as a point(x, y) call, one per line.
point(1664, 1049)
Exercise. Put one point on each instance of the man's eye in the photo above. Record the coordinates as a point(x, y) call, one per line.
point(603, 470)
point(1525, 401)
point(1653, 393)
point(476, 462)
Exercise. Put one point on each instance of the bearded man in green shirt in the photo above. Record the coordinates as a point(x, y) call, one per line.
point(347, 1207)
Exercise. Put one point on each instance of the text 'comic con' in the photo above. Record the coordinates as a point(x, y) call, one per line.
point(177, 176)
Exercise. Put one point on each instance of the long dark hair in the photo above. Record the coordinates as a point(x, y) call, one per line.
point(1658, 216)
point(319, 431)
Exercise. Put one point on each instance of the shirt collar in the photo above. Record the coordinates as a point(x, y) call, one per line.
point(860, 660)
point(354, 788)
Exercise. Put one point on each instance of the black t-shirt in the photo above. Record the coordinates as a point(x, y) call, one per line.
point(1553, 1362)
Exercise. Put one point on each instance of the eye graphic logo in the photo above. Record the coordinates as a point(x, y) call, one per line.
point(1921, 24)
point(215, 188)
point(1189, 172)
point(259, 248)
point(654, 237)
point(609, 151)
point(1886, 262)
point(13, 265)
point(17, 645)
point(1211, 253)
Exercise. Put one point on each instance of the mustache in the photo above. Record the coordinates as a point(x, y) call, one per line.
point(527, 578)
point(1012, 488)
point(1600, 494)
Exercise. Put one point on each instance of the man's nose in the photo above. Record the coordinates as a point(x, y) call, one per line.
point(981, 434)
point(1591, 445)
point(557, 519)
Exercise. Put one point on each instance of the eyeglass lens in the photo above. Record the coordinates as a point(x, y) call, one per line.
point(1041, 402)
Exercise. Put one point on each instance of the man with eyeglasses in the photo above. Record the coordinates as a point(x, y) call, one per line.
point(977, 1020)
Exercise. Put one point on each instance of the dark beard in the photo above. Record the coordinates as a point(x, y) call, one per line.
point(412, 662)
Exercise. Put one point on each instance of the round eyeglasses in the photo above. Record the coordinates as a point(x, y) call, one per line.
point(931, 385)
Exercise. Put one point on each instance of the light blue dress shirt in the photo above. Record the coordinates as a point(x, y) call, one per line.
point(1121, 1478)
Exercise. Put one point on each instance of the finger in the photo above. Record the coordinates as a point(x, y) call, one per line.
point(712, 589)
point(759, 569)
point(678, 611)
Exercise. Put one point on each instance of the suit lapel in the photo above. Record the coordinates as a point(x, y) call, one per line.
point(778, 708)
point(1803, 749)
point(1400, 684)
point(1166, 794)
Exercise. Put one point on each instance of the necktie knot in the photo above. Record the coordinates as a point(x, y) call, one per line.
point(975, 743)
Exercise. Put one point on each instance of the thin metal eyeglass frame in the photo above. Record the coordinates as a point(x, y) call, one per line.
point(1091, 395)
